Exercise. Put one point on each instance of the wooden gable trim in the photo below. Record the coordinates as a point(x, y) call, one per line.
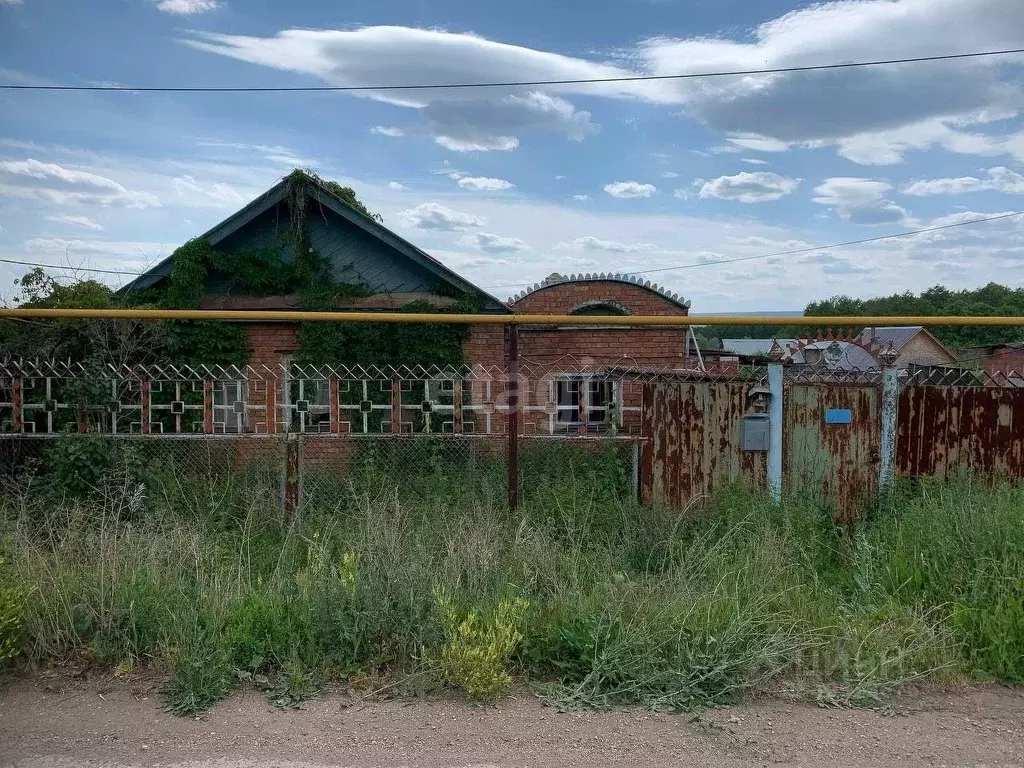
point(275, 195)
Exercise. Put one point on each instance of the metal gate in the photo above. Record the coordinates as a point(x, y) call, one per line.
point(832, 444)
point(693, 443)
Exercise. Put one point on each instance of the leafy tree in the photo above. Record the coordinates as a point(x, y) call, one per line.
point(992, 299)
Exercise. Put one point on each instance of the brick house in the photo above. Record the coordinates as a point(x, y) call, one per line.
point(1002, 363)
point(394, 273)
point(914, 345)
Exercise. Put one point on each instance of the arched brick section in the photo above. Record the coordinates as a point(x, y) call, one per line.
point(559, 295)
point(589, 345)
point(600, 304)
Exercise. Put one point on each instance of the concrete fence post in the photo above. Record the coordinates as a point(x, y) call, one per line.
point(512, 384)
point(887, 445)
point(292, 474)
point(775, 411)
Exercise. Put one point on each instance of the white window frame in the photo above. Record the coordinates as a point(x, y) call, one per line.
point(610, 412)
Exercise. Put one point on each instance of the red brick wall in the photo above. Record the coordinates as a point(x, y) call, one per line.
point(563, 298)
point(1005, 361)
point(570, 347)
point(563, 348)
point(268, 342)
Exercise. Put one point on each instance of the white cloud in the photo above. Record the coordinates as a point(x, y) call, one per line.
point(485, 241)
point(482, 125)
point(748, 187)
point(760, 112)
point(481, 183)
point(439, 217)
point(128, 254)
point(594, 244)
point(889, 146)
point(835, 105)
point(217, 194)
point(581, 198)
point(387, 130)
point(670, 175)
point(78, 221)
point(187, 7)
point(860, 201)
point(488, 144)
point(61, 185)
point(995, 241)
point(275, 154)
point(394, 185)
point(834, 265)
point(756, 142)
point(753, 161)
point(11, 2)
point(999, 179)
point(467, 120)
point(628, 189)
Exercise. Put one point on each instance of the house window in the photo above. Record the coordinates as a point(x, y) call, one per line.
point(229, 414)
point(307, 401)
point(597, 399)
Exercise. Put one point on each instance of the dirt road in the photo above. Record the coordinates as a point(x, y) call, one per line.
point(47, 725)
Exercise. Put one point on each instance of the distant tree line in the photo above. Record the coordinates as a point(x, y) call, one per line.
point(992, 299)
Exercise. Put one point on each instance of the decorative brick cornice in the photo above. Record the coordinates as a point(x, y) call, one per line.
point(618, 277)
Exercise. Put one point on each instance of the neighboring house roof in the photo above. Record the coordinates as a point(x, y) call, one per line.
point(755, 347)
point(882, 335)
point(839, 356)
point(618, 277)
point(847, 355)
point(276, 195)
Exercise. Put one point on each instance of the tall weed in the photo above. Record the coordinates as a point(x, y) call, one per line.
point(613, 603)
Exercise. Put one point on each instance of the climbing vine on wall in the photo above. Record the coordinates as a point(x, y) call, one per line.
point(292, 265)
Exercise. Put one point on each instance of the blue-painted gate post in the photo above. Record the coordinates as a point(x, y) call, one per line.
point(887, 452)
point(775, 431)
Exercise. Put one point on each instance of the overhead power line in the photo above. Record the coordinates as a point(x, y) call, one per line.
point(696, 265)
point(795, 251)
point(501, 84)
point(69, 268)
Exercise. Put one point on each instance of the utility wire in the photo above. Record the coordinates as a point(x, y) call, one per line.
point(506, 84)
point(793, 252)
point(798, 250)
point(72, 269)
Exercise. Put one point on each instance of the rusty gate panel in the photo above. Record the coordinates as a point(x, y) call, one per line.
point(693, 441)
point(835, 464)
point(943, 431)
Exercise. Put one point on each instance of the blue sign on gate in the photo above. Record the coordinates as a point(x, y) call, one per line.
point(838, 416)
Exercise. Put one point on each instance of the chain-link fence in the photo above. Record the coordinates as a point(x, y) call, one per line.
point(207, 439)
point(306, 435)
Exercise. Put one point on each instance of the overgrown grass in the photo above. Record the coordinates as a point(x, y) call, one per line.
point(591, 599)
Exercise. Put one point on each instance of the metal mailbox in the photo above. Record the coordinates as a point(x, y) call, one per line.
point(754, 435)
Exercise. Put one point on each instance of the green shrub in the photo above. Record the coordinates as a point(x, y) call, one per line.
point(260, 631)
point(12, 616)
point(78, 462)
point(201, 676)
point(475, 655)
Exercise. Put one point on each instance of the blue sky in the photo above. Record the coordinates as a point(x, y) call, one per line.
point(509, 185)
